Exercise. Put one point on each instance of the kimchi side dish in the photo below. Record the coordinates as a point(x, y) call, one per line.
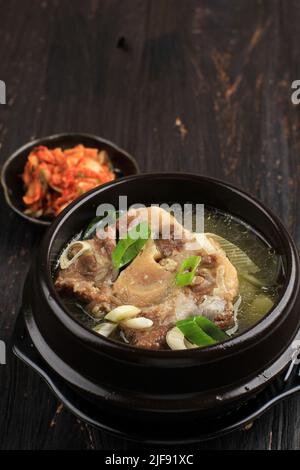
point(53, 178)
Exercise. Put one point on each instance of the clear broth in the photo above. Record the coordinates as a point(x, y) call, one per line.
point(270, 277)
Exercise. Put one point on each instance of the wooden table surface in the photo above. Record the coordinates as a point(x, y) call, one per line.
point(198, 86)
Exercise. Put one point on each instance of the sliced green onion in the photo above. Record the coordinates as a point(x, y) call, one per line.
point(128, 248)
point(175, 339)
point(210, 328)
point(201, 331)
point(100, 222)
point(187, 271)
point(194, 333)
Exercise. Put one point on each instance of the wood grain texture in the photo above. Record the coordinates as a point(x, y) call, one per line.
point(199, 86)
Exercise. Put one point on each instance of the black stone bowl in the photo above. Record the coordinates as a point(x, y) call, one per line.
point(164, 390)
point(123, 164)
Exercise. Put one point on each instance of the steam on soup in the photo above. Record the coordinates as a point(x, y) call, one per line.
point(180, 292)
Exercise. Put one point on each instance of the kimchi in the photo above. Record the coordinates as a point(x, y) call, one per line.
point(53, 178)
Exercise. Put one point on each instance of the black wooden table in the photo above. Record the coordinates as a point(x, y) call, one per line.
point(199, 86)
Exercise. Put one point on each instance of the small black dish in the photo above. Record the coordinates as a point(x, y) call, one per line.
point(124, 165)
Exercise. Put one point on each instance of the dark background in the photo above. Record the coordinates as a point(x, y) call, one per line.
point(128, 70)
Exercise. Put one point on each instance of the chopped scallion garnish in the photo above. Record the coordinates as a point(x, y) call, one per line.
point(128, 248)
point(187, 271)
point(201, 331)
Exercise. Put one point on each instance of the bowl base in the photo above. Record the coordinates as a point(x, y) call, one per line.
point(85, 409)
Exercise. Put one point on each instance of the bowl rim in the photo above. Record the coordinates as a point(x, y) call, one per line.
point(231, 346)
point(49, 139)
